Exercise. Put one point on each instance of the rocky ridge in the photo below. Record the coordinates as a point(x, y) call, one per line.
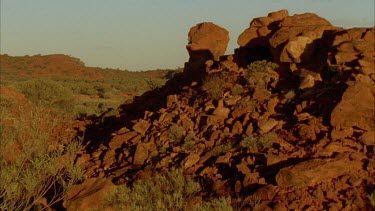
point(297, 136)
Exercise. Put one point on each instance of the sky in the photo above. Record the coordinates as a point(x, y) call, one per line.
point(145, 34)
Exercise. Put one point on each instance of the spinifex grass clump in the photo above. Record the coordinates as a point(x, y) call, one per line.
point(163, 191)
point(33, 167)
point(48, 93)
point(261, 74)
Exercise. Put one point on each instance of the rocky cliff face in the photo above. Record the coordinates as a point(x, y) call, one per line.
point(295, 131)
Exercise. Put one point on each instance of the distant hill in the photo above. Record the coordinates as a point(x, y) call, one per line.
point(64, 66)
point(94, 89)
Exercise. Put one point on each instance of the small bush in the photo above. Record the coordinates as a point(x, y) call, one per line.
point(237, 89)
point(220, 204)
point(176, 133)
point(371, 197)
point(221, 149)
point(189, 143)
point(261, 74)
point(163, 191)
point(253, 143)
point(261, 66)
point(153, 84)
point(215, 86)
point(48, 93)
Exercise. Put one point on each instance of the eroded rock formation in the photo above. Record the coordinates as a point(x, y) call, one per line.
point(300, 136)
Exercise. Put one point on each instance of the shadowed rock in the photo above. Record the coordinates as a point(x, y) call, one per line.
point(207, 41)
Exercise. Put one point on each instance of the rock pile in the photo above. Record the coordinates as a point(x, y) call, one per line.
point(304, 145)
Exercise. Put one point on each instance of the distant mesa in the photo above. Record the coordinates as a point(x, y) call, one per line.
point(53, 65)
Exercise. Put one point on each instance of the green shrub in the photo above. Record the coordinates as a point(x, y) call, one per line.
point(215, 86)
point(162, 191)
point(237, 89)
point(30, 168)
point(261, 74)
point(83, 87)
point(176, 133)
point(221, 149)
point(153, 84)
point(220, 204)
point(103, 87)
point(371, 197)
point(189, 143)
point(48, 93)
point(261, 66)
point(253, 143)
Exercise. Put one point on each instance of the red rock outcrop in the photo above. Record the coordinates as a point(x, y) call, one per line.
point(206, 41)
point(295, 145)
point(354, 48)
point(208, 37)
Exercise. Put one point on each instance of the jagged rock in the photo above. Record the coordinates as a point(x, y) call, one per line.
point(237, 128)
point(141, 154)
point(297, 50)
point(118, 140)
point(171, 99)
point(224, 158)
point(302, 20)
point(266, 125)
point(141, 126)
point(279, 15)
point(243, 168)
point(222, 112)
point(307, 132)
point(354, 47)
point(256, 34)
point(266, 192)
point(314, 171)
point(191, 160)
point(89, 195)
point(122, 131)
point(207, 36)
point(368, 138)
point(356, 108)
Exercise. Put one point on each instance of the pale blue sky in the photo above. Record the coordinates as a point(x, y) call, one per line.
point(145, 34)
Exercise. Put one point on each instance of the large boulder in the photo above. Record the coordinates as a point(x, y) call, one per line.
point(90, 195)
point(283, 38)
point(257, 34)
point(356, 108)
point(295, 41)
point(354, 47)
point(207, 41)
point(208, 37)
point(311, 172)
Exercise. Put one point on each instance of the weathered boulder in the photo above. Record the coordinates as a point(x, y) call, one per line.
point(208, 37)
point(141, 154)
point(260, 28)
point(354, 47)
point(141, 126)
point(283, 38)
point(207, 41)
point(295, 41)
point(356, 108)
point(317, 170)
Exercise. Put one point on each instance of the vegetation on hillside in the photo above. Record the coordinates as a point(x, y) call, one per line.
point(64, 83)
point(36, 170)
